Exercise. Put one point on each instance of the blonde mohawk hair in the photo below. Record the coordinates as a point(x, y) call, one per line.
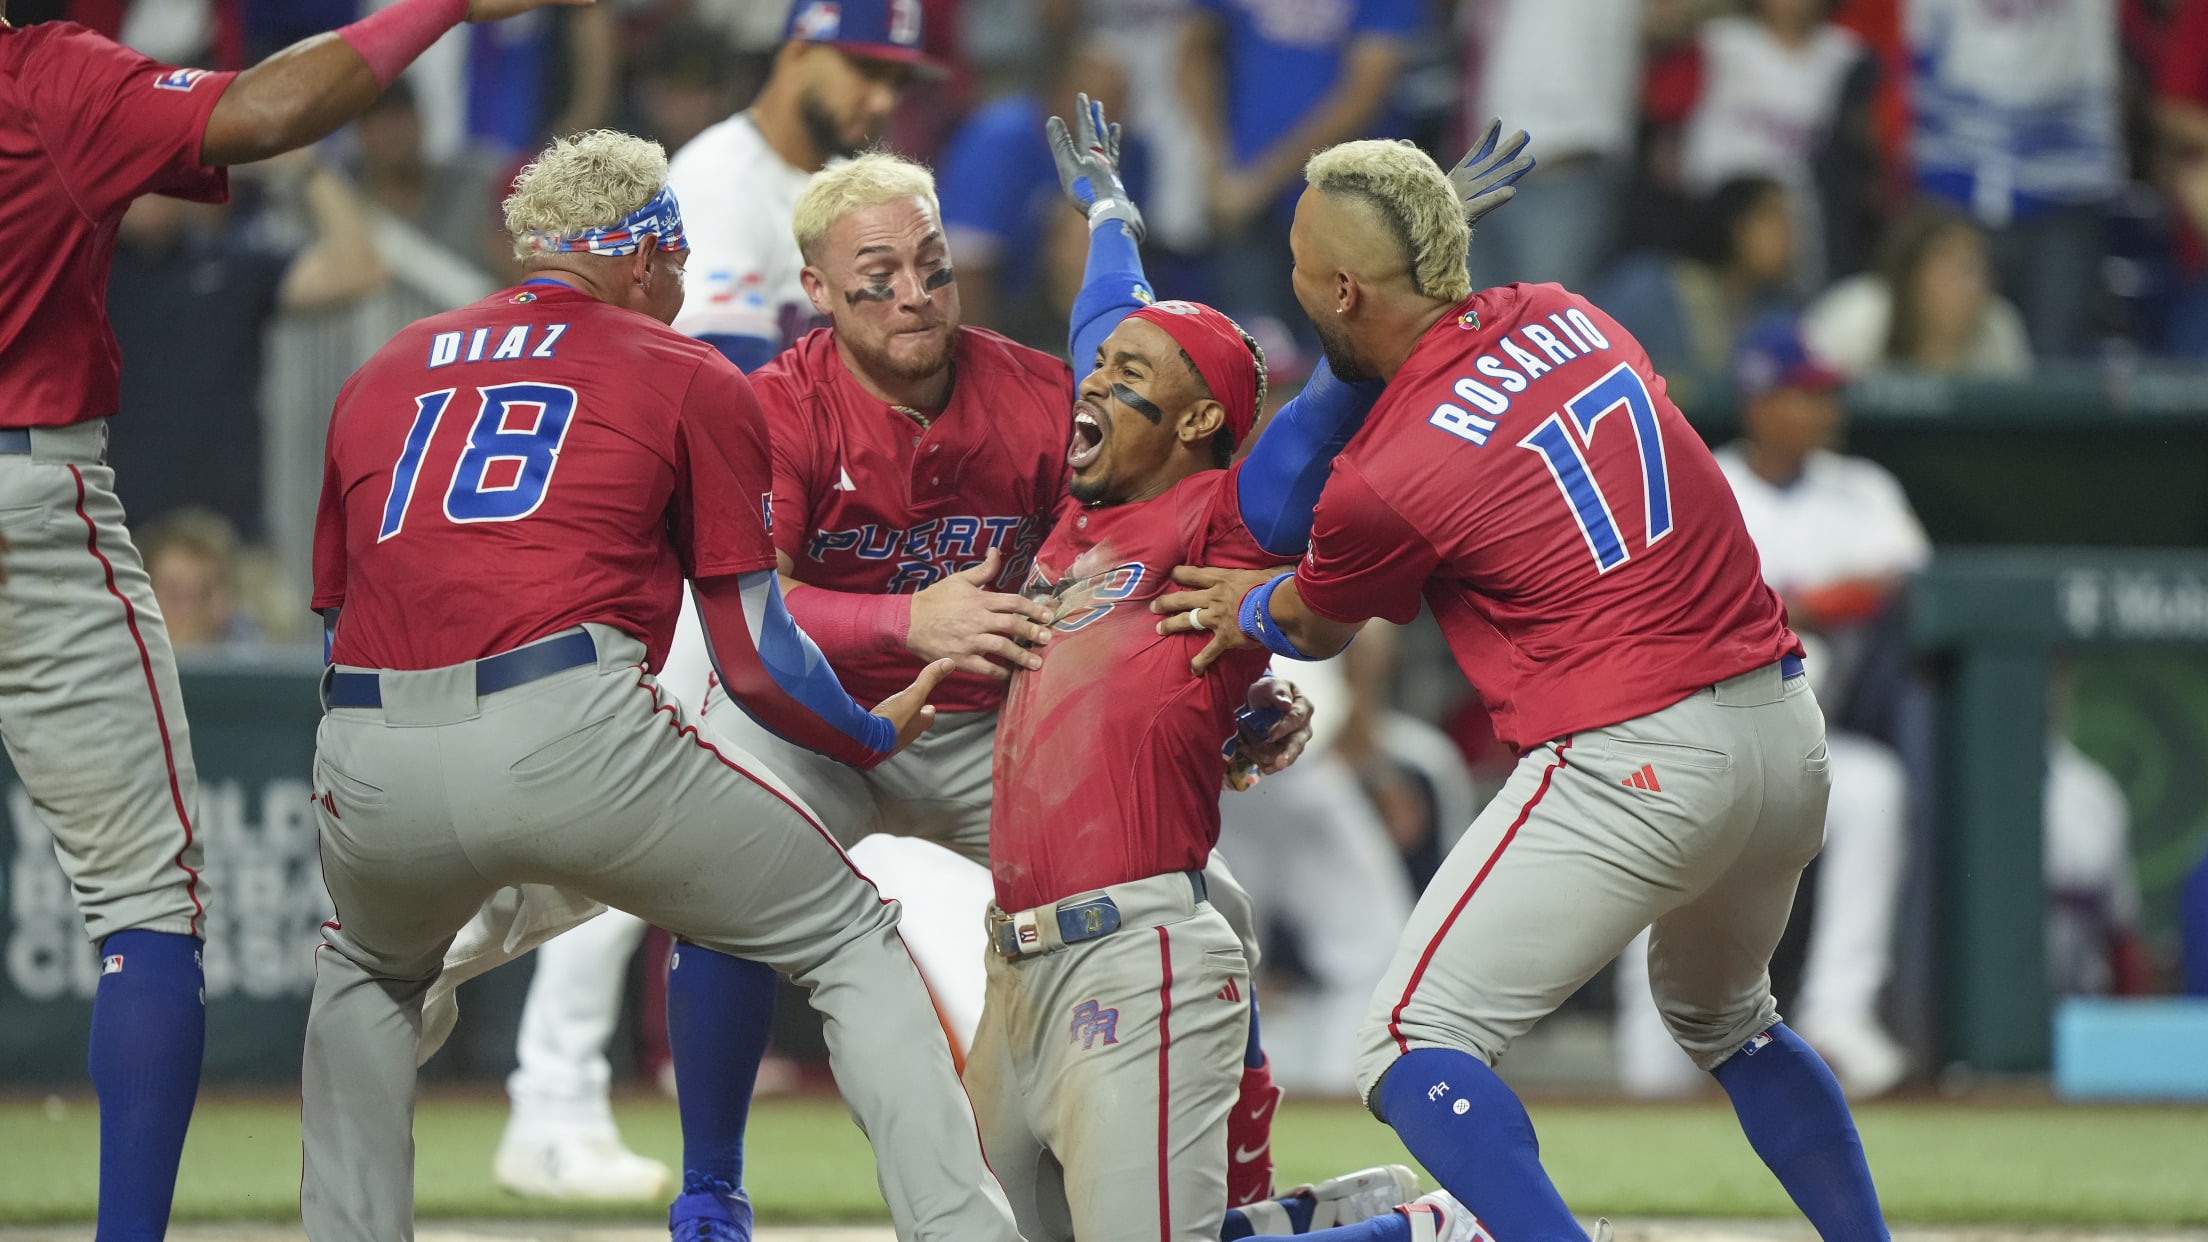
point(1413, 197)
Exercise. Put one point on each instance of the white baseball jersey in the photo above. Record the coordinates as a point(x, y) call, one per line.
point(737, 197)
point(1845, 517)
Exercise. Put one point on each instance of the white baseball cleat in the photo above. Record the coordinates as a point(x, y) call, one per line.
point(1360, 1196)
point(577, 1166)
point(1438, 1217)
point(1862, 1056)
point(1604, 1233)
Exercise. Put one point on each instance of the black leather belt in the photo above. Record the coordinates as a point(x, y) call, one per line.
point(1083, 920)
point(503, 671)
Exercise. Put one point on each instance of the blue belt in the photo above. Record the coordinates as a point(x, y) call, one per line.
point(1790, 667)
point(15, 440)
point(504, 671)
point(1083, 920)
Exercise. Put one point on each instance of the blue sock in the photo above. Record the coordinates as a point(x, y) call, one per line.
point(1239, 1225)
point(1386, 1227)
point(149, 1028)
point(1792, 1111)
point(1473, 1135)
point(720, 1010)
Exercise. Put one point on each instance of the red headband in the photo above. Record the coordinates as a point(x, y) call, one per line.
point(1213, 342)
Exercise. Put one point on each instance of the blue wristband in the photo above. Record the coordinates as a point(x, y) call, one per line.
point(1256, 619)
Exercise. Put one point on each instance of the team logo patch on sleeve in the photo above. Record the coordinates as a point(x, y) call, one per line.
point(179, 79)
point(1090, 1021)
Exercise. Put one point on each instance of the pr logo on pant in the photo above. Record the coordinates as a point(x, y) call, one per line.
point(1089, 1021)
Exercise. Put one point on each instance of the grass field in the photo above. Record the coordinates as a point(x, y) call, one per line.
point(1936, 1162)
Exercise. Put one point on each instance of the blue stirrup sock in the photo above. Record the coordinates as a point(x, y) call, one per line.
point(1386, 1227)
point(720, 1011)
point(149, 1030)
point(1794, 1115)
point(1473, 1135)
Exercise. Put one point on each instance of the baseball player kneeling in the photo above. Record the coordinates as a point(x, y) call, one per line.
point(513, 495)
point(1117, 1008)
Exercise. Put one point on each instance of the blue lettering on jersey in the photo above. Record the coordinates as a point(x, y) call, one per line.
point(513, 343)
point(927, 552)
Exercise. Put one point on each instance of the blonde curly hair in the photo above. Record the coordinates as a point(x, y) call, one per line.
point(587, 181)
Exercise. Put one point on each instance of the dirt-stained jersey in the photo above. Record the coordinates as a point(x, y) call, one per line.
point(1108, 763)
point(1526, 475)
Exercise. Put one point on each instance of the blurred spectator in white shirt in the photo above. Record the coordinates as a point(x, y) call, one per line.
point(2016, 110)
point(1781, 87)
point(1931, 308)
point(1567, 72)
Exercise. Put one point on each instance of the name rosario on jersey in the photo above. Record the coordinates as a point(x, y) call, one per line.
point(1532, 351)
point(447, 348)
point(929, 551)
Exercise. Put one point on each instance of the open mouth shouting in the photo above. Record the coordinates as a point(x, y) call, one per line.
point(1088, 438)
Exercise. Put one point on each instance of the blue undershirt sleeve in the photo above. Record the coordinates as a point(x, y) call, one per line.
point(795, 667)
point(1113, 287)
point(1287, 467)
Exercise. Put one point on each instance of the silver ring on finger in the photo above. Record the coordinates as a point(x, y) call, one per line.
point(1196, 617)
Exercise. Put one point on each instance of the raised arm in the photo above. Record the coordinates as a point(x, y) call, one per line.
point(303, 93)
point(1113, 285)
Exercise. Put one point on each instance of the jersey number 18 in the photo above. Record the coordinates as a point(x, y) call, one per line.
point(485, 487)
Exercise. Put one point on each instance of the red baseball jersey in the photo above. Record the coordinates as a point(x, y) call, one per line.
point(1526, 473)
point(866, 500)
point(520, 466)
point(1108, 765)
point(86, 125)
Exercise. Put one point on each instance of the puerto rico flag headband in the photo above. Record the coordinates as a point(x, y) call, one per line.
point(658, 217)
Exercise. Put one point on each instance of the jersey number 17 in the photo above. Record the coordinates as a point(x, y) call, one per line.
point(1561, 444)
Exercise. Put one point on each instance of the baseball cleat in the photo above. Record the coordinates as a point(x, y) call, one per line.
point(1438, 1217)
point(1861, 1054)
point(592, 1167)
point(1360, 1196)
point(1604, 1233)
point(703, 1216)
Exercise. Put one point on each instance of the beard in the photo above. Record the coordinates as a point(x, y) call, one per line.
point(1341, 356)
point(918, 364)
point(825, 131)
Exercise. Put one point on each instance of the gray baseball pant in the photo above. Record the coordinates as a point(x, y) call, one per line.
point(1104, 1070)
point(89, 704)
point(594, 781)
point(1696, 820)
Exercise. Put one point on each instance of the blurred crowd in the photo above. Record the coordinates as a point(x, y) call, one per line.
point(1774, 196)
point(1967, 187)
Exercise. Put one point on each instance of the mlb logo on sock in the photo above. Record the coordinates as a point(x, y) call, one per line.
point(112, 964)
point(1754, 1045)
